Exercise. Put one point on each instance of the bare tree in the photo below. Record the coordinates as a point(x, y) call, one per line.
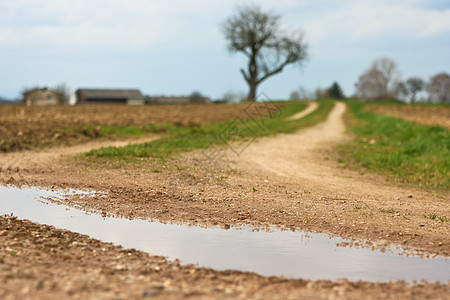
point(294, 95)
point(320, 93)
point(301, 94)
point(380, 81)
point(368, 85)
point(63, 91)
point(232, 96)
point(401, 91)
point(438, 88)
point(389, 76)
point(414, 85)
point(196, 97)
point(257, 34)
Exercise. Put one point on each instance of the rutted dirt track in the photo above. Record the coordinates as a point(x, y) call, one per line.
point(300, 159)
point(286, 180)
point(35, 159)
point(295, 156)
point(312, 106)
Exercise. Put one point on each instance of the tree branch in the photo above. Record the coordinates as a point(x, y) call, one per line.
point(245, 76)
point(273, 72)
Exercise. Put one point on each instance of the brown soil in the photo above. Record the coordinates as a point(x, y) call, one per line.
point(430, 115)
point(29, 127)
point(286, 180)
point(41, 262)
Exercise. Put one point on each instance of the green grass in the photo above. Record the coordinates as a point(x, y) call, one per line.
point(443, 219)
point(104, 131)
point(406, 151)
point(134, 130)
point(431, 216)
point(436, 217)
point(183, 139)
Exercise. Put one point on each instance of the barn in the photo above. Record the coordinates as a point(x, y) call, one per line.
point(109, 96)
point(40, 96)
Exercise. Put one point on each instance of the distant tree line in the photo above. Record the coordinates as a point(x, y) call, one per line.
point(382, 81)
point(334, 91)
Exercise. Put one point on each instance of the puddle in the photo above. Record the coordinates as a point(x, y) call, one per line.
point(292, 254)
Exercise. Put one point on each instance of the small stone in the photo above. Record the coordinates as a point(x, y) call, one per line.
point(120, 268)
point(158, 286)
point(150, 293)
point(311, 285)
point(410, 196)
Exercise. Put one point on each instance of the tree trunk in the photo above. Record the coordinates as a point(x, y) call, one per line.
point(252, 91)
point(253, 76)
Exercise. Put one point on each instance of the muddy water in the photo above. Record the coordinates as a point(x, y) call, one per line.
point(292, 254)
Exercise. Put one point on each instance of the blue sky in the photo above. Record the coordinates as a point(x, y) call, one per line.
point(176, 47)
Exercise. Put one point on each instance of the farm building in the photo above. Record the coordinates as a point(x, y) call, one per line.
point(109, 96)
point(40, 96)
point(178, 100)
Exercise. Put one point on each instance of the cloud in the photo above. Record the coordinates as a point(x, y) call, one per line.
point(43, 39)
point(137, 24)
point(379, 19)
point(112, 23)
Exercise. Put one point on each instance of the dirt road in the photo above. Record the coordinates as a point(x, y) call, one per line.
point(300, 158)
point(290, 181)
point(35, 159)
point(370, 205)
point(295, 155)
point(312, 106)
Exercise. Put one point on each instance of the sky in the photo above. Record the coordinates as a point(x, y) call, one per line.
point(176, 47)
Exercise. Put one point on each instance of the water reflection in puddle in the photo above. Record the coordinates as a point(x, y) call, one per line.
point(292, 254)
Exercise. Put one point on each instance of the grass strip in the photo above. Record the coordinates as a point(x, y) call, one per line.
point(403, 150)
point(183, 139)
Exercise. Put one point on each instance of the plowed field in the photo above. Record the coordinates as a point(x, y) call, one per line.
point(23, 127)
point(430, 115)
